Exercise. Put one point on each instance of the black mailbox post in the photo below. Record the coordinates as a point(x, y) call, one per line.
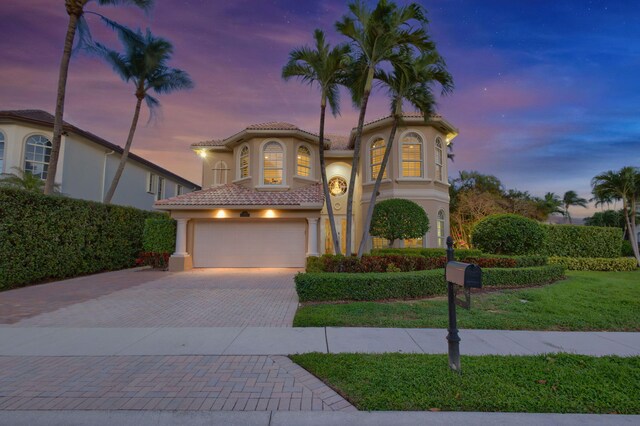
point(466, 276)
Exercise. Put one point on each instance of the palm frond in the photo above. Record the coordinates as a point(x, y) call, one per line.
point(145, 5)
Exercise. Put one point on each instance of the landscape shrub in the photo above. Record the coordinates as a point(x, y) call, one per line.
point(154, 259)
point(627, 249)
point(46, 237)
point(507, 234)
point(398, 218)
point(595, 263)
point(429, 252)
point(412, 262)
point(582, 241)
point(316, 287)
point(159, 235)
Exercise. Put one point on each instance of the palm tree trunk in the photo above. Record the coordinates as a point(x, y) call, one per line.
point(356, 158)
point(62, 91)
point(125, 154)
point(376, 188)
point(325, 183)
point(631, 226)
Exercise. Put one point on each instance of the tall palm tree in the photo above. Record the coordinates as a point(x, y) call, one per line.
point(75, 10)
point(325, 67)
point(376, 37)
point(411, 80)
point(571, 198)
point(144, 63)
point(623, 185)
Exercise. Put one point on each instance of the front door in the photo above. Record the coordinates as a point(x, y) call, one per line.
point(342, 235)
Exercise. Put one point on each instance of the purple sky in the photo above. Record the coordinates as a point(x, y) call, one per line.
point(547, 92)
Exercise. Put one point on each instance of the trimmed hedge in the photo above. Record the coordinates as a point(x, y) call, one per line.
point(411, 262)
point(507, 234)
point(582, 241)
point(315, 287)
point(427, 252)
point(44, 237)
point(596, 263)
point(159, 235)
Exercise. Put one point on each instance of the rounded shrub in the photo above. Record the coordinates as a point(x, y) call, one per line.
point(398, 219)
point(507, 234)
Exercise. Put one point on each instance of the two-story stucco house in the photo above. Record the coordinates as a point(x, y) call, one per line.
point(87, 162)
point(262, 204)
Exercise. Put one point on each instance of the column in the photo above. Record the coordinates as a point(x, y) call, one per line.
point(181, 238)
point(312, 236)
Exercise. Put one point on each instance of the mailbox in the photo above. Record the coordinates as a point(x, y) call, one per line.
point(464, 274)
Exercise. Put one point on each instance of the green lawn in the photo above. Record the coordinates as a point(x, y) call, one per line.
point(585, 301)
point(547, 383)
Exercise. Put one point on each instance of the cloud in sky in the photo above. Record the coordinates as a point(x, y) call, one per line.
point(546, 94)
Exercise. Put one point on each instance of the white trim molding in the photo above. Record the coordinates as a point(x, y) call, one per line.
point(261, 183)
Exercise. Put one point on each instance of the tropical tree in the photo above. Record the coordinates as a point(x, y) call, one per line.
point(410, 81)
point(550, 204)
point(325, 67)
point(143, 63)
point(24, 180)
point(623, 185)
point(77, 23)
point(397, 218)
point(376, 37)
point(571, 198)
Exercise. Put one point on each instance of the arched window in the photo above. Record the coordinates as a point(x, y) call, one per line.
point(1, 152)
point(244, 162)
point(273, 165)
point(411, 146)
point(440, 229)
point(36, 156)
point(220, 170)
point(303, 161)
point(378, 147)
point(439, 159)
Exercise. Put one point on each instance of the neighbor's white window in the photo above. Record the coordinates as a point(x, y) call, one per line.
point(440, 229)
point(36, 157)
point(411, 146)
point(439, 159)
point(244, 162)
point(179, 190)
point(152, 183)
point(273, 169)
point(160, 192)
point(1, 152)
point(378, 147)
point(303, 161)
point(220, 170)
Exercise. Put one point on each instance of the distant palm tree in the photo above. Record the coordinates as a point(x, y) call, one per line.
point(144, 63)
point(411, 81)
point(622, 185)
point(551, 204)
point(24, 180)
point(325, 67)
point(75, 10)
point(571, 198)
point(376, 37)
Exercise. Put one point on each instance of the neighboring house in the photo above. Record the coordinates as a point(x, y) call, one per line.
point(87, 162)
point(262, 204)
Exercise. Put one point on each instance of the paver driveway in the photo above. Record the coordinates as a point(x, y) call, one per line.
point(197, 298)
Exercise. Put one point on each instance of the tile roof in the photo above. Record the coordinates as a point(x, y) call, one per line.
point(37, 116)
point(338, 142)
point(271, 125)
point(237, 195)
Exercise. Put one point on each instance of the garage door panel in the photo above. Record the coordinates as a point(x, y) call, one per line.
point(227, 244)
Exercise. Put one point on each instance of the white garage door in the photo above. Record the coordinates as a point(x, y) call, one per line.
point(228, 244)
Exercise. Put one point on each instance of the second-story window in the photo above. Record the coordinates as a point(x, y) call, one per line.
point(152, 183)
point(303, 160)
point(244, 162)
point(179, 190)
point(36, 157)
point(411, 147)
point(160, 192)
point(439, 160)
point(376, 153)
point(273, 170)
point(220, 170)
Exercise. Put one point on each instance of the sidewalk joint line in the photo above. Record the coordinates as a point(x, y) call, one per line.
point(406, 330)
point(326, 339)
point(234, 339)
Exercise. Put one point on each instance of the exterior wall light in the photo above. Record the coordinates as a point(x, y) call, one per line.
point(269, 213)
point(203, 153)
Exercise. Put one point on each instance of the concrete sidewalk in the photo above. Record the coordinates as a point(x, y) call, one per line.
point(156, 418)
point(40, 341)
